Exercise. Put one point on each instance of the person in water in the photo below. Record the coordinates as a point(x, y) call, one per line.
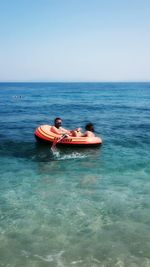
point(57, 129)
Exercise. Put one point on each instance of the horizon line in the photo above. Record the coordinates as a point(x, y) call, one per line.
point(122, 81)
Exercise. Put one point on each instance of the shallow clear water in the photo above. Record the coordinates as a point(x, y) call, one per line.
point(76, 207)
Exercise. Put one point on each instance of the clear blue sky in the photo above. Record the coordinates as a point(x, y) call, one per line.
point(74, 40)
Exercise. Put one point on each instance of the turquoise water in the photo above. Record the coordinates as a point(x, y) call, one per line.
point(77, 207)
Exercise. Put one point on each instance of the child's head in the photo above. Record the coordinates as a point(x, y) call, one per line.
point(89, 127)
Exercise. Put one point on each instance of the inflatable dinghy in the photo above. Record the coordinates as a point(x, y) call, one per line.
point(44, 134)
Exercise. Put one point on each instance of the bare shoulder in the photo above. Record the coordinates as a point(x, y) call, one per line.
point(55, 130)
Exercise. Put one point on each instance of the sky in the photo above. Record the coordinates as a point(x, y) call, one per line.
point(74, 40)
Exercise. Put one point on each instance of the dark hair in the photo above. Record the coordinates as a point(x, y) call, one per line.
point(89, 127)
point(56, 119)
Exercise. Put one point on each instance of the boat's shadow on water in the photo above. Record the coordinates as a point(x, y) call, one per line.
point(36, 152)
point(46, 153)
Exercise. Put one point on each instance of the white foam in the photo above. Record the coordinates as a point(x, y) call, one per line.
point(56, 153)
point(76, 262)
point(74, 155)
point(48, 258)
point(52, 258)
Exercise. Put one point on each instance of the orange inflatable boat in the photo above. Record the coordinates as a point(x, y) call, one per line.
point(44, 134)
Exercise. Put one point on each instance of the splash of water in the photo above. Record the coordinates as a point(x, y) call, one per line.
point(74, 155)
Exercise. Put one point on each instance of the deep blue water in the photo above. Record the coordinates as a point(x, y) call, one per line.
point(79, 207)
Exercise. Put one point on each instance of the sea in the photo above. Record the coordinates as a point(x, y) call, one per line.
point(75, 207)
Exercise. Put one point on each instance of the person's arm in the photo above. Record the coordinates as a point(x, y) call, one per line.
point(76, 133)
point(65, 131)
point(60, 130)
